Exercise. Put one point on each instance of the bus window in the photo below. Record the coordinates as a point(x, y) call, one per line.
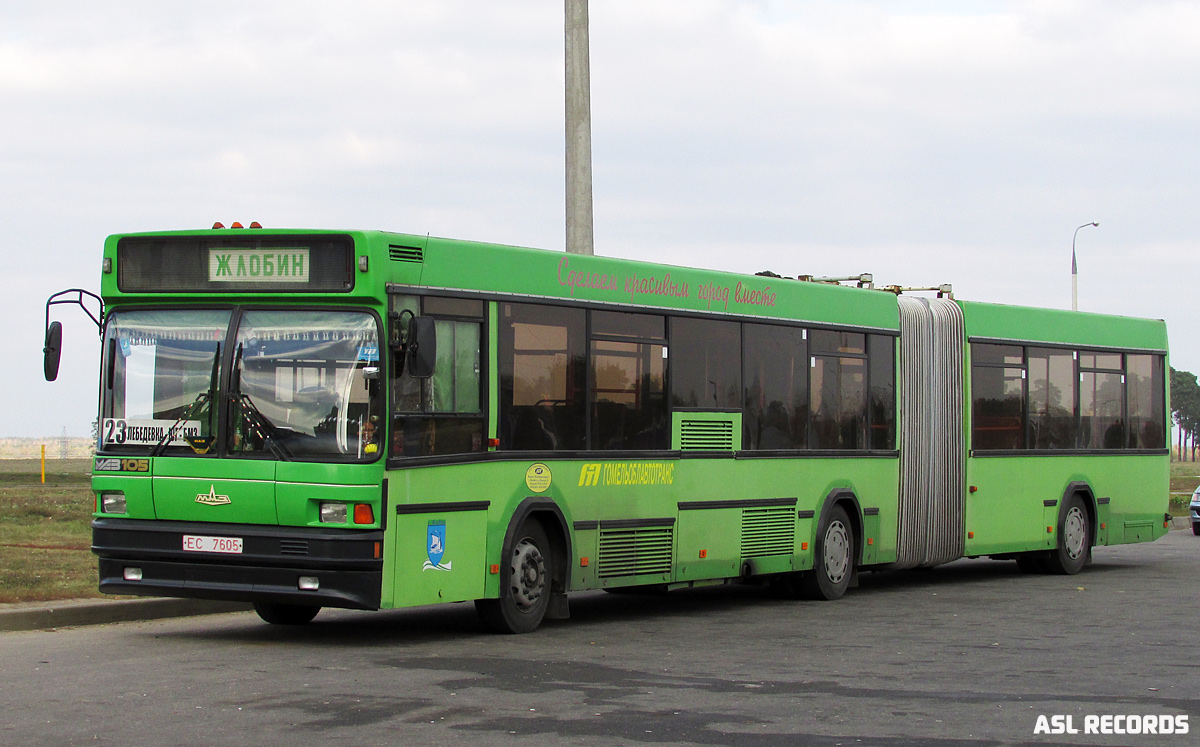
point(838, 390)
point(708, 363)
point(542, 377)
point(1051, 421)
point(305, 385)
point(998, 396)
point(628, 367)
point(1101, 401)
point(1144, 392)
point(442, 414)
point(775, 414)
point(161, 367)
point(881, 407)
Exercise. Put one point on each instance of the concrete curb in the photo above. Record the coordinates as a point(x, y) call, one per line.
point(99, 611)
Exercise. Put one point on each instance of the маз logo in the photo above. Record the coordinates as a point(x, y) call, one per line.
point(211, 498)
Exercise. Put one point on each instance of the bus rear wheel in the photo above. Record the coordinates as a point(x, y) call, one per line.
point(524, 584)
point(833, 566)
point(286, 614)
point(1074, 539)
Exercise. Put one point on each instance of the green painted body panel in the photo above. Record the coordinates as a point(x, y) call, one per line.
point(1023, 324)
point(459, 577)
point(302, 486)
point(139, 496)
point(241, 490)
point(622, 490)
point(468, 265)
point(1008, 511)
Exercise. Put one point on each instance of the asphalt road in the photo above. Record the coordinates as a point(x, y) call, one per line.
point(968, 654)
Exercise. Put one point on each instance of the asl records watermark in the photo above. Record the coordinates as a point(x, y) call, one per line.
point(1112, 724)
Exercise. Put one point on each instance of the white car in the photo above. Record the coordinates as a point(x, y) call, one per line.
point(1195, 511)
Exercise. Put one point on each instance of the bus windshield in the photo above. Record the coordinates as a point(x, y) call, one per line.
point(302, 385)
point(305, 383)
point(159, 373)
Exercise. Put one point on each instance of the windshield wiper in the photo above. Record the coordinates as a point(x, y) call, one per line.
point(247, 410)
point(262, 427)
point(201, 398)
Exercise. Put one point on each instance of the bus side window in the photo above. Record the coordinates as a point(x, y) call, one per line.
point(542, 377)
point(998, 396)
point(1144, 394)
point(442, 414)
point(838, 390)
point(775, 409)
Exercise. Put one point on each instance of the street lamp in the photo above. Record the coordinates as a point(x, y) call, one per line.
point(1075, 269)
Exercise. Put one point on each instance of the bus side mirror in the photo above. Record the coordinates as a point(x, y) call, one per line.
point(53, 350)
point(421, 347)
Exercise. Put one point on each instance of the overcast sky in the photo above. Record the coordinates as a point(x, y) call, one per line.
point(925, 142)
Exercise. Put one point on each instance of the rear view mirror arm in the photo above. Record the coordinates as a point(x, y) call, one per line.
point(78, 300)
point(53, 349)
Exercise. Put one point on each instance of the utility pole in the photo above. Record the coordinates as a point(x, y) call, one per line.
point(579, 130)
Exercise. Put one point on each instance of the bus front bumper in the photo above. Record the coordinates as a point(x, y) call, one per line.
point(283, 565)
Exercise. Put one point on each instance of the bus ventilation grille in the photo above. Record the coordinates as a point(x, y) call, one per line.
point(406, 253)
point(293, 547)
point(706, 435)
point(768, 531)
point(635, 552)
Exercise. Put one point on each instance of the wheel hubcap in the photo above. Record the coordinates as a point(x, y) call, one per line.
point(1074, 533)
point(837, 552)
point(528, 574)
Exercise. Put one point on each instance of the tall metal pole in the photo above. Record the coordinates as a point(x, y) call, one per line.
point(579, 130)
point(1075, 269)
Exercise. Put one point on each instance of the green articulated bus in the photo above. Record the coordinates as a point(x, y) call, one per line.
point(368, 420)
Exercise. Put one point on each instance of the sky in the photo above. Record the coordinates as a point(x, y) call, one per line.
point(923, 142)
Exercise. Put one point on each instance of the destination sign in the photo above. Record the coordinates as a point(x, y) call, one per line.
point(266, 265)
point(122, 432)
point(309, 263)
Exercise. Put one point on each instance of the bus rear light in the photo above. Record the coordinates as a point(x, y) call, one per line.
point(132, 574)
point(217, 225)
point(333, 513)
point(363, 513)
point(255, 224)
point(309, 583)
point(236, 224)
point(493, 442)
point(377, 551)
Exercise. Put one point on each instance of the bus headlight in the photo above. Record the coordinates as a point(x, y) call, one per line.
point(333, 513)
point(112, 503)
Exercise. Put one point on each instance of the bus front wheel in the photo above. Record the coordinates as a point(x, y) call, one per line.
point(524, 584)
point(286, 614)
point(833, 566)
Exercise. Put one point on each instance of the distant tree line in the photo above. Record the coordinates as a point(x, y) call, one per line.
point(1185, 410)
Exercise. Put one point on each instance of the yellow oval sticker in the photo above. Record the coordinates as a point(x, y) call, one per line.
point(537, 477)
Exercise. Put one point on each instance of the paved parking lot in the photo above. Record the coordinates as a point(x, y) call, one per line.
point(970, 653)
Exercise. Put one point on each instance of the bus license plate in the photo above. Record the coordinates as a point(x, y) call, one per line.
point(201, 543)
